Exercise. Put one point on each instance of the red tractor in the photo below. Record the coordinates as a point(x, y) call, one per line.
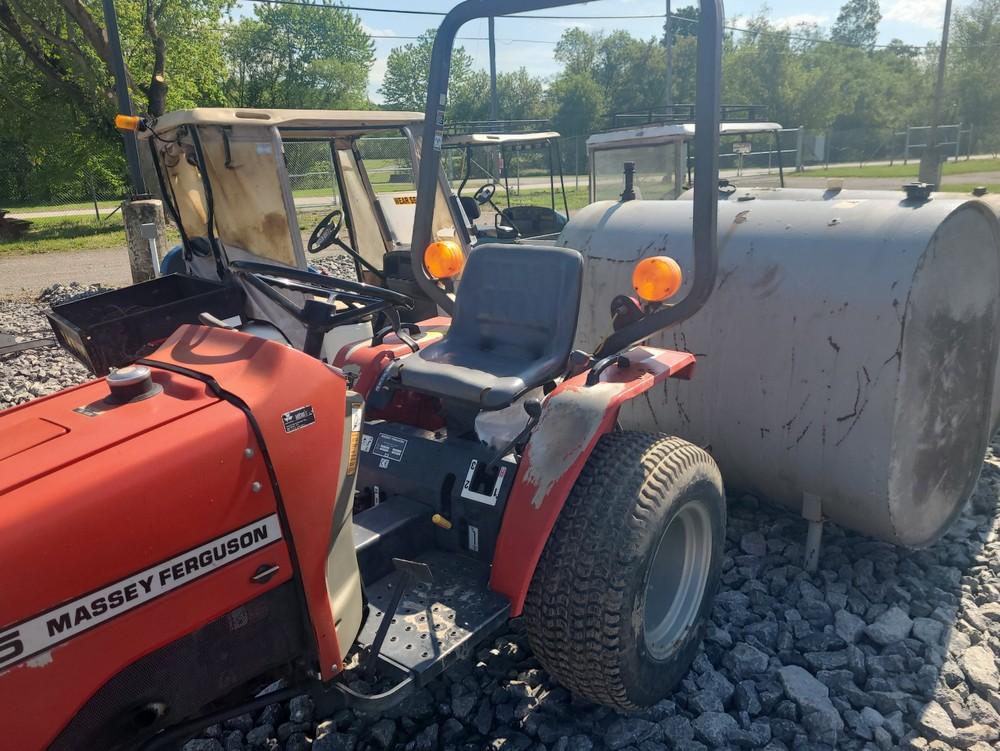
point(230, 510)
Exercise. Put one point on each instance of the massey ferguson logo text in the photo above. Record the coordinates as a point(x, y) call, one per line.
point(41, 633)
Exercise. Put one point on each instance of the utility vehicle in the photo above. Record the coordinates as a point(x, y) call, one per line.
point(498, 148)
point(243, 499)
point(659, 145)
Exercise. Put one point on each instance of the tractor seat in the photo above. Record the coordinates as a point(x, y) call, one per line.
point(512, 329)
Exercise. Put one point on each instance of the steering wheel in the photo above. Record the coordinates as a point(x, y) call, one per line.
point(359, 300)
point(485, 193)
point(325, 233)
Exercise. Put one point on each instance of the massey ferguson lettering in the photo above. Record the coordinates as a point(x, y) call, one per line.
point(42, 632)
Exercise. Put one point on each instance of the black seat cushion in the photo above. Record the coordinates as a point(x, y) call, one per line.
point(512, 329)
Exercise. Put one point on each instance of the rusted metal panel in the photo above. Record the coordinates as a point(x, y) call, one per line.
point(849, 349)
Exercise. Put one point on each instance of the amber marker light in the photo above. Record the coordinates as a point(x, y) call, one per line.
point(657, 278)
point(443, 259)
point(128, 122)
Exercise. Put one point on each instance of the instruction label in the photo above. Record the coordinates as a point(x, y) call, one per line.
point(389, 447)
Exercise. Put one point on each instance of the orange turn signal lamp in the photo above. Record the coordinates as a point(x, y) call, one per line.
point(657, 278)
point(443, 259)
point(129, 122)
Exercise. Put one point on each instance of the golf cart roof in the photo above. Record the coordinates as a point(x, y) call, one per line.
point(485, 139)
point(682, 131)
point(345, 122)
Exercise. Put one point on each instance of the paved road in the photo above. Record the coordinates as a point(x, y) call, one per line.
point(301, 202)
point(24, 276)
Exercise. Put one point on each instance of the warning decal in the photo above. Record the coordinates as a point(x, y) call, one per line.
point(45, 631)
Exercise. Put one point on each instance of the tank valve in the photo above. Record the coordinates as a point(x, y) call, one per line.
point(629, 193)
point(131, 384)
point(918, 191)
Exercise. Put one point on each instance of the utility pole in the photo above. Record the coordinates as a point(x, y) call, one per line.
point(143, 215)
point(494, 114)
point(136, 181)
point(930, 163)
point(669, 40)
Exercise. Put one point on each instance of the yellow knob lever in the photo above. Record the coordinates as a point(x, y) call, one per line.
point(441, 521)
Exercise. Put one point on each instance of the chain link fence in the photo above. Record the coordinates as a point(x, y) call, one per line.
point(387, 159)
point(27, 191)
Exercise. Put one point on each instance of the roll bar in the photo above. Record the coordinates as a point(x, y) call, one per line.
point(706, 163)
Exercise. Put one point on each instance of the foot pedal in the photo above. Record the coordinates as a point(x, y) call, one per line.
point(410, 572)
point(432, 623)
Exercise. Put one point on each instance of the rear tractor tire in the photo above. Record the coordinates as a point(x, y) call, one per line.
point(619, 601)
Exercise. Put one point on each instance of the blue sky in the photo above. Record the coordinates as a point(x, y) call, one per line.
point(531, 43)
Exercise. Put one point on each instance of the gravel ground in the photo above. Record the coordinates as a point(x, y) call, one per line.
point(882, 648)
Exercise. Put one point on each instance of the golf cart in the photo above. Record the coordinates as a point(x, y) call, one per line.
point(509, 143)
point(224, 175)
point(243, 504)
point(660, 149)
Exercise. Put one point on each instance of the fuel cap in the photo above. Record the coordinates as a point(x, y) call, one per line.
point(131, 384)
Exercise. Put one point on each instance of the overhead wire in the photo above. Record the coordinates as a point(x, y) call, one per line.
point(620, 17)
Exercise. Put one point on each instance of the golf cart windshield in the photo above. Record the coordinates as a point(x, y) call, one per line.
point(253, 184)
point(512, 180)
point(662, 157)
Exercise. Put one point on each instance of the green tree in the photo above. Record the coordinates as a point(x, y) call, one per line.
point(577, 51)
point(684, 23)
point(975, 70)
point(64, 42)
point(57, 100)
point(298, 56)
point(576, 101)
point(857, 24)
point(407, 67)
point(520, 96)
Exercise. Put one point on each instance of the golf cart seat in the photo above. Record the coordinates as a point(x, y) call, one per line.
point(534, 221)
point(512, 329)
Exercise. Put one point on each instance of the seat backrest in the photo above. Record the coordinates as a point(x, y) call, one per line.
point(534, 221)
point(521, 301)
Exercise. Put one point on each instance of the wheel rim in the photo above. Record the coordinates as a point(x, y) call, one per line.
point(676, 579)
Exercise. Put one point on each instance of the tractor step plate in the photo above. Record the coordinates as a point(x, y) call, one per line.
point(439, 622)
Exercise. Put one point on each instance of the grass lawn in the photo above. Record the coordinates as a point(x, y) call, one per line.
point(575, 197)
point(900, 170)
point(55, 234)
point(993, 188)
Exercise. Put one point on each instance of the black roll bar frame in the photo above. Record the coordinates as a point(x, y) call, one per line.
point(706, 168)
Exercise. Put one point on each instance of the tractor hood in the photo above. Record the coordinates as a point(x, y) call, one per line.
point(47, 434)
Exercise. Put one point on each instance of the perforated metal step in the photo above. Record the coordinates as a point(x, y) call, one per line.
point(439, 622)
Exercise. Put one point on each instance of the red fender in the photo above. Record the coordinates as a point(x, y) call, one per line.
point(574, 417)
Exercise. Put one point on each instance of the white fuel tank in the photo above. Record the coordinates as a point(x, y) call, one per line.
point(849, 349)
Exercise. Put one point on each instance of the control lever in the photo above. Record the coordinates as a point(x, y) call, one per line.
point(410, 572)
point(534, 409)
point(397, 327)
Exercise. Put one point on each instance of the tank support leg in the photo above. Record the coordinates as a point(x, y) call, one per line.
point(812, 512)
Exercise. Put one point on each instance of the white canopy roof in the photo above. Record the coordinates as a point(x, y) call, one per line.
point(485, 139)
point(357, 121)
point(678, 132)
